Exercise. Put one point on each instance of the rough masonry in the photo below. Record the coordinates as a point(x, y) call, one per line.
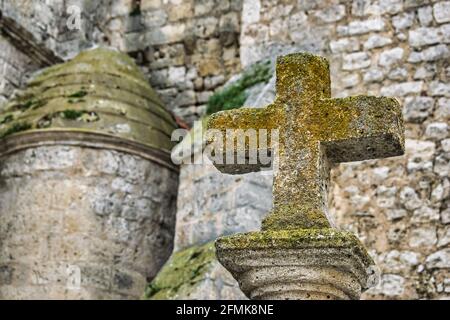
point(87, 189)
point(398, 207)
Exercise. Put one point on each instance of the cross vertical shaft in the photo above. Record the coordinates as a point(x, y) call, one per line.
point(300, 184)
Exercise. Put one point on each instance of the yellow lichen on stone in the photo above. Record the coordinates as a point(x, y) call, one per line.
point(314, 131)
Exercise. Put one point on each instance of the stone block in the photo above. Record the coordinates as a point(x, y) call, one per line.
point(284, 257)
point(417, 109)
point(355, 61)
point(376, 41)
point(391, 57)
point(441, 11)
point(344, 45)
point(362, 27)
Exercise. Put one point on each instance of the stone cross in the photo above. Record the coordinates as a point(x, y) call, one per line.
point(315, 131)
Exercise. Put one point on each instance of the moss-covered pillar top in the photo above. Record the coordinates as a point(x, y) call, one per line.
point(100, 98)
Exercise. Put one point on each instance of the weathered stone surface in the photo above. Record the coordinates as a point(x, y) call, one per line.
point(398, 261)
point(424, 36)
point(273, 115)
point(350, 80)
point(100, 94)
point(423, 237)
point(444, 237)
point(103, 222)
point(425, 15)
point(439, 259)
point(361, 27)
point(165, 35)
point(357, 60)
point(376, 41)
point(441, 11)
point(97, 230)
point(437, 130)
point(331, 14)
point(154, 18)
point(443, 108)
point(410, 198)
point(194, 273)
point(344, 45)
point(398, 74)
point(421, 154)
point(425, 165)
point(390, 285)
point(402, 89)
point(430, 54)
point(291, 264)
point(390, 57)
point(15, 66)
point(213, 204)
point(300, 201)
point(437, 88)
point(251, 11)
point(391, 6)
point(403, 21)
point(418, 108)
point(373, 75)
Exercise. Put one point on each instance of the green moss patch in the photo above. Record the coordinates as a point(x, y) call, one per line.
point(69, 114)
point(30, 105)
point(7, 119)
point(72, 114)
point(16, 127)
point(106, 82)
point(234, 95)
point(181, 273)
point(136, 11)
point(78, 94)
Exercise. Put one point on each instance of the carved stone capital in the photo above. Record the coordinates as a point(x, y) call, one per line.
point(299, 264)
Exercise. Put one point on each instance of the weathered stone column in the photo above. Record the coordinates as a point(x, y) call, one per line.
point(298, 254)
point(87, 188)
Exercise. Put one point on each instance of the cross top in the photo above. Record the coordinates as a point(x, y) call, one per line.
point(315, 131)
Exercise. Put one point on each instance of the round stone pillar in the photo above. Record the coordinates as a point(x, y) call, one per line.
point(87, 188)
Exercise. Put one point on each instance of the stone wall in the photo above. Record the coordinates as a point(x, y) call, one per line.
point(211, 204)
point(82, 223)
point(186, 48)
point(55, 23)
point(34, 35)
point(398, 207)
point(14, 68)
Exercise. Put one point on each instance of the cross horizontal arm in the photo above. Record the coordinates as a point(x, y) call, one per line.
point(242, 133)
point(362, 127)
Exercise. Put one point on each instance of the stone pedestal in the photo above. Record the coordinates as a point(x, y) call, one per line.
point(304, 264)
